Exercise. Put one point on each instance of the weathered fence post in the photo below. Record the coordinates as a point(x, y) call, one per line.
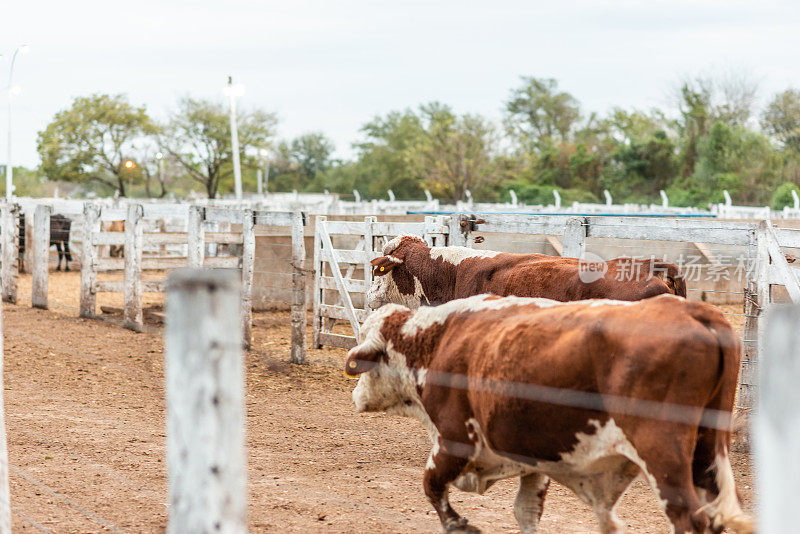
point(133, 268)
point(41, 248)
point(318, 291)
point(5, 496)
point(10, 251)
point(204, 375)
point(298, 350)
point(777, 423)
point(248, 261)
point(459, 235)
point(91, 225)
point(574, 244)
point(196, 248)
point(27, 235)
point(748, 370)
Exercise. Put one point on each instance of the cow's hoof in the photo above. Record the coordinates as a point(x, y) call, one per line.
point(67, 269)
point(461, 526)
point(58, 268)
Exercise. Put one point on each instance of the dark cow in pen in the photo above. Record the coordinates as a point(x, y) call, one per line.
point(413, 274)
point(60, 227)
point(589, 393)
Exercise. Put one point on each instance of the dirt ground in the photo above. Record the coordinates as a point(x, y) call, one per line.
point(85, 416)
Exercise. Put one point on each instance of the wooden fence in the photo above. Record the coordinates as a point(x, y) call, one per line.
point(145, 243)
point(354, 244)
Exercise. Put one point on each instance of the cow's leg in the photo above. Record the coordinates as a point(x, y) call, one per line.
point(442, 469)
point(58, 248)
point(667, 462)
point(529, 504)
point(68, 257)
point(713, 480)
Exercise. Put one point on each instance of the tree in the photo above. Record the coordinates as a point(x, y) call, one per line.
point(300, 162)
point(198, 137)
point(538, 111)
point(781, 119)
point(92, 140)
point(454, 153)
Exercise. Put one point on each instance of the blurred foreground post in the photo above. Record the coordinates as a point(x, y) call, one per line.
point(205, 402)
point(777, 424)
point(41, 249)
point(5, 499)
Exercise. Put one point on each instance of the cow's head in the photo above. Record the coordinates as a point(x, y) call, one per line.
point(386, 382)
point(393, 282)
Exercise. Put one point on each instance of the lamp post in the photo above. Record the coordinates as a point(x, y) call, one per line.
point(234, 91)
point(12, 90)
point(264, 153)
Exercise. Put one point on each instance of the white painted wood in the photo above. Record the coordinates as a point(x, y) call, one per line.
point(318, 290)
point(248, 261)
point(5, 495)
point(91, 226)
point(29, 211)
point(10, 248)
point(196, 238)
point(132, 317)
point(118, 286)
point(648, 228)
point(777, 422)
point(223, 215)
point(574, 242)
point(274, 218)
point(778, 261)
point(40, 245)
point(204, 375)
point(457, 235)
point(763, 299)
point(298, 319)
point(344, 295)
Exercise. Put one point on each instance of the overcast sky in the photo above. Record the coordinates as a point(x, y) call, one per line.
point(331, 65)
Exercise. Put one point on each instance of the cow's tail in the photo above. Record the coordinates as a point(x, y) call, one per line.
point(673, 277)
point(714, 436)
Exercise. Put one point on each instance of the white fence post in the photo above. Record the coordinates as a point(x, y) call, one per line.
point(319, 294)
point(196, 248)
point(40, 245)
point(459, 235)
point(298, 350)
point(777, 423)
point(748, 371)
point(574, 243)
point(5, 495)
point(133, 268)
point(204, 375)
point(10, 252)
point(248, 260)
point(91, 225)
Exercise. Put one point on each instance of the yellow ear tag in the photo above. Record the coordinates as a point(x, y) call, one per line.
point(352, 364)
point(383, 268)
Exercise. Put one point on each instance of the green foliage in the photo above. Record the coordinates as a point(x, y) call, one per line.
point(90, 142)
point(198, 137)
point(538, 112)
point(301, 163)
point(781, 119)
point(783, 196)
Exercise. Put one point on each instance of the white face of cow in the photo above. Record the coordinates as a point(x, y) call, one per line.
point(389, 385)
point(384, 290)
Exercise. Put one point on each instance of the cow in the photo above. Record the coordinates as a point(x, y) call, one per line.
point(115, 251)
point(59, 236)
point(413, 274)
point(589, 393)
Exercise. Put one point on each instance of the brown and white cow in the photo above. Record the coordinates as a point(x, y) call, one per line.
point(413, 274)
point(588, 393)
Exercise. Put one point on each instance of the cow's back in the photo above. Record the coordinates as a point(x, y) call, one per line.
point(562, 279)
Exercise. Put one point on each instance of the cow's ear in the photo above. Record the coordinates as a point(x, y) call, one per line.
point(363, 358)
point(383, 265)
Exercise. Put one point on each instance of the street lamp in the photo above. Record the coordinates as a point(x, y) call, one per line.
point(234, 91)
point(264, 153)
point(12, 90)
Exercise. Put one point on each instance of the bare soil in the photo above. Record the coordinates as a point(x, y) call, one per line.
point(85, 415)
